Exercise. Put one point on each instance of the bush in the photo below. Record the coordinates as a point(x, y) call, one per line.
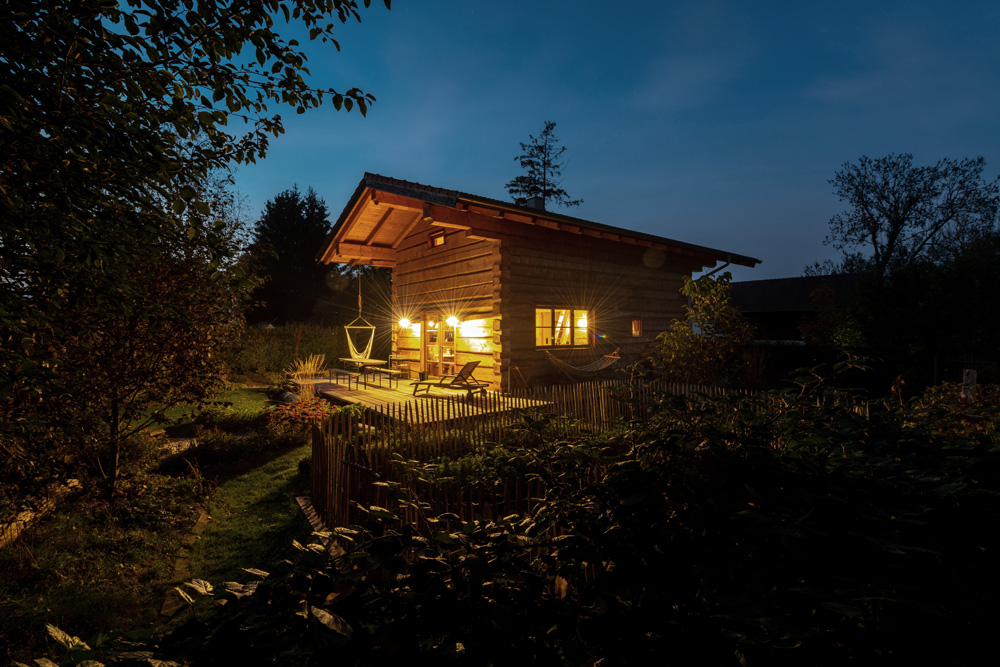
point(263, 354)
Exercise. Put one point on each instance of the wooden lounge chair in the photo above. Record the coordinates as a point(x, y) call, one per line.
point(461, 380)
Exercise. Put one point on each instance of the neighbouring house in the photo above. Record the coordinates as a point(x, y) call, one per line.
point(517, 288)
point(778, 307)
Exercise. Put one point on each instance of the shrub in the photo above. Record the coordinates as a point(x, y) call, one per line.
point(291, 423)
point(262, 354)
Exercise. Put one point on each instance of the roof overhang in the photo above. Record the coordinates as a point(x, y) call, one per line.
point(383, 211)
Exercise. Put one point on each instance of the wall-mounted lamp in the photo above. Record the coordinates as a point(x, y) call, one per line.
point(452, 321)
point(404, 323)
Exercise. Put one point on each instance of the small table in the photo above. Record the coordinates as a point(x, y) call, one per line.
point(363, 364)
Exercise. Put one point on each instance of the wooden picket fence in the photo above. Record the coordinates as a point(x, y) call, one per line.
point(350, 452)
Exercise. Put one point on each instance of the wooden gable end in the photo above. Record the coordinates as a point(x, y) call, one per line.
point(373, 231)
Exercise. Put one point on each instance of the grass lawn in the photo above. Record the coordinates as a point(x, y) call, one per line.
point(239, 402)
point(254, 519)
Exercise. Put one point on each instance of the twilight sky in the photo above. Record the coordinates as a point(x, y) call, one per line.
point(712, 122)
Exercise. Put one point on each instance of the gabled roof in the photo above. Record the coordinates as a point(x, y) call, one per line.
point(789, 295)
point(383, 211)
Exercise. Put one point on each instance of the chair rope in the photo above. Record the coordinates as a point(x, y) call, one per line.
point(355, 352)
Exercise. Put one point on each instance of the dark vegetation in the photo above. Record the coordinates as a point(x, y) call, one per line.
point(100, 563)
point(282, 252)
point(922, 244)
point(776, 528)
point(117, 258)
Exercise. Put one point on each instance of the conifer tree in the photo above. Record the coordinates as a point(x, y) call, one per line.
point(282, 253)
point(540, 158)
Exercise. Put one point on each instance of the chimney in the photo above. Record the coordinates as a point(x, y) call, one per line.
point(536, 202)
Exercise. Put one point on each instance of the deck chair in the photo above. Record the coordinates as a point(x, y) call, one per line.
point(461, 380)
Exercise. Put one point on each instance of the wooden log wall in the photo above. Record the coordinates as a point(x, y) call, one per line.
point(459, 277)
point(615, 282)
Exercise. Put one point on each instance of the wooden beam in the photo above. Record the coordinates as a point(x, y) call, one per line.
point(366, 252)
point(378, 225)
point(331, 249)
point(382, 198)
point(417, 217)
point(449, 225)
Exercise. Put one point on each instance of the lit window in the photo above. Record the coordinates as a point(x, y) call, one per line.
point(435, 240)
point(562, 327)
point(636, 327)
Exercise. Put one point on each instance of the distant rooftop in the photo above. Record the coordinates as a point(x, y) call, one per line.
point(782, 295)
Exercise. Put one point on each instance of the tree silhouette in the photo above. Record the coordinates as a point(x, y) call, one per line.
point(282, 253)
point(540, 158)
point(900, 214)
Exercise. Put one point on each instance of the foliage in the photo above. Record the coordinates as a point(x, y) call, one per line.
point(264, 353)
point(922, 320)
point(94, 565)
point(301, 412)
point(286, 238)
point(901, 214)
point(832, 325)
point(304, 368)
point(540, 158)
point(781, 528)
point(118, 272)
point(703, 348)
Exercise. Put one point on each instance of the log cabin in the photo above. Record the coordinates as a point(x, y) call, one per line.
point(526, 292)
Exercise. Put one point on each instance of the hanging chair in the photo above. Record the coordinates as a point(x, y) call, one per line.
point(595, 367)
point(360, 324)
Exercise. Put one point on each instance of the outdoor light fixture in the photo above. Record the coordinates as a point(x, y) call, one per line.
point(404, 323)
point(452, 321)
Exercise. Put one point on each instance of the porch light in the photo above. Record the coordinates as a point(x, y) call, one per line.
point(452, 321)
point(404, 323)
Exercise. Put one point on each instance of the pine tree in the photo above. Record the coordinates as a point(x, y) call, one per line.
point(540, 158)
point(283, 252)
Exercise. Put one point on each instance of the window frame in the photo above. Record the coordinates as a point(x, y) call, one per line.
point(574, 329)
point(436, 240)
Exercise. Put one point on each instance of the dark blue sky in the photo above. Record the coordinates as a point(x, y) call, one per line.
point(718, 123)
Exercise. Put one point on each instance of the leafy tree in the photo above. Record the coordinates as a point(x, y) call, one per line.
point(282, 253)
point(703, 347)
point(540, 158)
point(101, 182)
point(900, 213)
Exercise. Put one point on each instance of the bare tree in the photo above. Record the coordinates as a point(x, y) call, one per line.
point(901, 213)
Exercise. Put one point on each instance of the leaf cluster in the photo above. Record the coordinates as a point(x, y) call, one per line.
point(115, 252)
point(704, 347)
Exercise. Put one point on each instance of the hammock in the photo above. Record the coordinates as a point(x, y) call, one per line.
point(582, 372)
point(364, 326)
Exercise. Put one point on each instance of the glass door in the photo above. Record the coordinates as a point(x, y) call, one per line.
point(432, 347)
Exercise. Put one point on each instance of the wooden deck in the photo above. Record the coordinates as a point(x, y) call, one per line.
point(439, 405)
